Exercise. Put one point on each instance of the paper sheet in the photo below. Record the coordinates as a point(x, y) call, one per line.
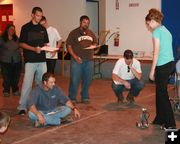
point(92, 47)
point(49, 49)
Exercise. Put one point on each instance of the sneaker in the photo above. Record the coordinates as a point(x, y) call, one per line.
point(85, 101)
point(37, 124)
point(22, 112)
point(17, 93)
point(6, 94)
point(74, 101)
point(120, 99)
point(66, 119)
point(130, 99)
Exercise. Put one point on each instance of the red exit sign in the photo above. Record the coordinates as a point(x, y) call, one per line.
point(133, 4)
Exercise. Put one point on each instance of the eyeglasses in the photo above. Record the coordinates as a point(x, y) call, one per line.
point(128, 69)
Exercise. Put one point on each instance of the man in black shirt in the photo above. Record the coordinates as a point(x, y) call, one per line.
point(33, 36)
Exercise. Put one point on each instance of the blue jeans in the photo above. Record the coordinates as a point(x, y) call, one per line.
point(31, 69)
point(52, 119)
point(136, 87)
point(77, 72)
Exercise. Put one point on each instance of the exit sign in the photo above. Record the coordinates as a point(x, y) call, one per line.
point(133, 4)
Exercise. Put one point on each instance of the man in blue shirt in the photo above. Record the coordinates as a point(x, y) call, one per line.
point(47, 103)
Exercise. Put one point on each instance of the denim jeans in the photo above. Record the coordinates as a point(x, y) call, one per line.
point(52, 119)
point(31, 69)
point(79, 72)
point(136, 87)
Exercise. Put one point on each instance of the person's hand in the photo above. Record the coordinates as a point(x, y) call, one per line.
point(77, 113)
point(127, 85)
point(78, 60)
point(151, 75)
point(38, 50)
point(41, 119)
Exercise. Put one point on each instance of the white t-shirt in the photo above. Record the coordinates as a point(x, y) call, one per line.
point(53, 36)
point(178, 68)
point(121, 69)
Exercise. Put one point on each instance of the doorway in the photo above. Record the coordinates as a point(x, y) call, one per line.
point(92, 11)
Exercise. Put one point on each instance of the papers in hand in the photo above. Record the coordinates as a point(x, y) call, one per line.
point(53, 112)
point(49, 49)
point(92, 47)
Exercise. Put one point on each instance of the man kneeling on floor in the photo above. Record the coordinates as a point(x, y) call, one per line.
point(127, 75)
point(48, 105)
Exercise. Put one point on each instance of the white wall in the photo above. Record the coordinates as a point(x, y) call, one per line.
point(62, 14)
point(130, 20)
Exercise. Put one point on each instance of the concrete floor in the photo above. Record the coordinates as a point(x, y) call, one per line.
point(102, 121)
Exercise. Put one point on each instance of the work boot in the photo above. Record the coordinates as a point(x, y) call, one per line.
point(130, 98)
point(85, 101)
point(66, 119)
point(37, 124)
point(74, 102)
point(120, 99)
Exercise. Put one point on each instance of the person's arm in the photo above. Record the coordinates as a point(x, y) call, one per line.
point(156, 48)
point(75, 57)
point(59, 43)
point(40, 117)
point(28, 47)
point(74, 109)
point(116, 78)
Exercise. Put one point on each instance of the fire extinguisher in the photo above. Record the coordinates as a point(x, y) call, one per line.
point(116, 39)
point(117, 4)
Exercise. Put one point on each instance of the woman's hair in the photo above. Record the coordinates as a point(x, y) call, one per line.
point(154, 14)
point(5, 33)
point(4, 119)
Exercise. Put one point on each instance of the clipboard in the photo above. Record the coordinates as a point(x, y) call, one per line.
point(92, 47)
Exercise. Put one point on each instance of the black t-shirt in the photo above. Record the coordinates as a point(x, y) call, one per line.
point(79, 40)
point(33, 35)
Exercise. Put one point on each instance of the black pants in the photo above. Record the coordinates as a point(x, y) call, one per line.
point(164, 112)
point(51, 63)
point(11, 74)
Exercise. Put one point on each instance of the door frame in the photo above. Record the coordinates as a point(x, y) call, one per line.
point(97, 2)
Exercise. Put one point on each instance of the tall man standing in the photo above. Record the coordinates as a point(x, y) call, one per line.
point(81, 59)
point(33, 36)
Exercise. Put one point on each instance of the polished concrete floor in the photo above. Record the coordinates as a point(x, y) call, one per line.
point(102, 121)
